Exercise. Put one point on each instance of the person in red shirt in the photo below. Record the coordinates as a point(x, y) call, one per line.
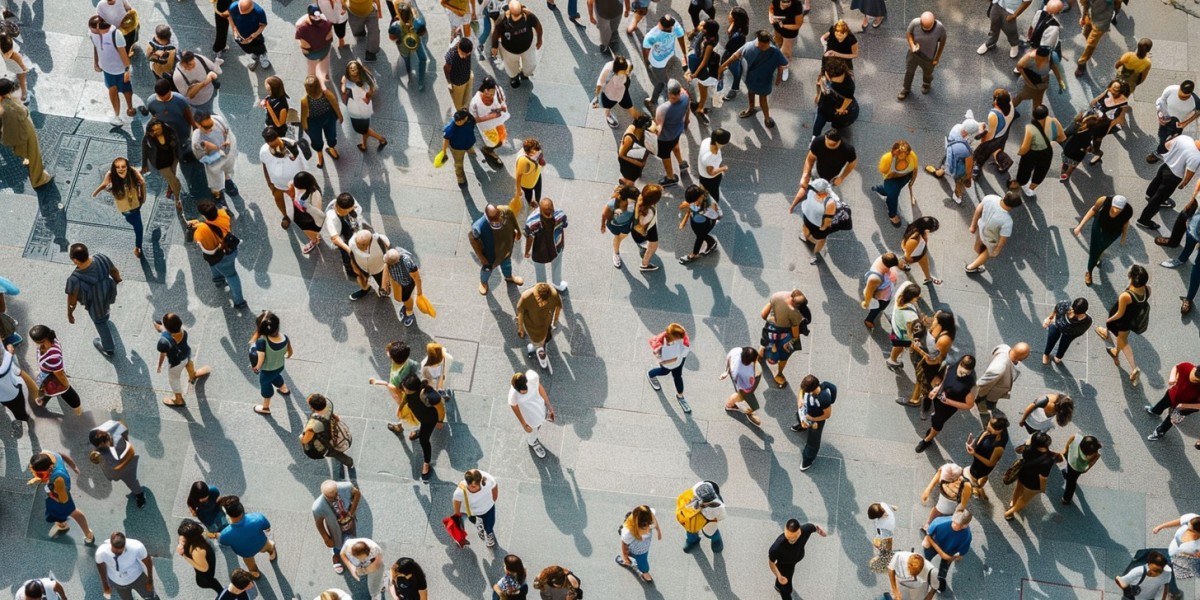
point(1183, 395)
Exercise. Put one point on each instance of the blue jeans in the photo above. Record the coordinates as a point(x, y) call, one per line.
point(573, 9)
point(943, 566)
point(323, 130)
point(1189, 244)
point(134, 218)
point(642, 561)
point(691, 539)
point(269, 380)
point(486, 30)
point(1055, 336)
point(489, 519)
point(422, 58)
point(505, 268)
point(1194, 282)
point(227, 270)
point(676, 374)
point(891, 192)
point(539, 271)
point(104, 328)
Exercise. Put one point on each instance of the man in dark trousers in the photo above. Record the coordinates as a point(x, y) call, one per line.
point(94, 285)
point(787, 552)
point(813, 409)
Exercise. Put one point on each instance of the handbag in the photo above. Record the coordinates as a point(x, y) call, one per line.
point(1010, 474)
point(455, 529)
point(883, 556)
point(1133, 590)
point(1004, 162)
point(130, 22)
point(50, 385)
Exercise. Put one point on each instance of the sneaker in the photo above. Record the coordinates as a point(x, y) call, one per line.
point(612, 121)
point(797, 428)
point(1152, 226)
point(561, 287)
point(708, 250)
point(1171, 264)
point(731, 95)
point(654, 384)
point(1167, 204)
point(266, 63)
point(957, 199)
point(895, 364)
point(983, 49)
point(1014, 51)
point(231, 188)
point(617, 261)
point(140, 500)
point(359, 294)
point(806, 467)
point(514, 82)
point(668, 181)
point(649, 104)
point(921, 446)
point(786, 73)
point(100, 346)
point(543, 360)
point(538, 449)
point(483, 535)
point(491, 540)
point(1150, 410)
point(1154, 437)
point(649, 267)
point(116, 120)
point(683, 166)
point(409, 319)
point(815, 259)
point(1028, 191)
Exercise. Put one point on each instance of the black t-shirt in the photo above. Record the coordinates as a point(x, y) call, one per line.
point(831, 161)
point(544, 251)
point(845, 46)
point(985, 446)
point(787, 13)
point(835, 94)
point(955, 387)
point(1034, 466)
point(516, 36)
point(785, 555)
point(409, 589)
point(425, 414)
point(228, 595)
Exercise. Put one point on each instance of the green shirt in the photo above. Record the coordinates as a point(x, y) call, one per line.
point(1076, 458)
point(399, 372)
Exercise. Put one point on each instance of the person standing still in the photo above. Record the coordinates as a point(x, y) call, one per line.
point(93, 284)
point(606, 16)
point(363, 19)
point(125, 567)
point(248, 21)
point(335, 515)
point(814, 406)
point(1081, 454)
point(765, 65)
point(457, 68)
point(538, 311)
point(545, 239)
point(458, 140)
point(787, 551)
point(1182, 398)
point(110, 57)
point(1003, 15)
point(926, 40)
point(1180, 163)
point(1177, 107)
point(948, 538)
point(531, 405)
point(247, 534)
point(492, 238)
point(514, 41)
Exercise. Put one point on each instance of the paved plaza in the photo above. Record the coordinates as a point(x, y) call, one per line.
point(617, 443)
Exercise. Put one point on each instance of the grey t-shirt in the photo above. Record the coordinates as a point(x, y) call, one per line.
point(927, 41)
point(323, 509)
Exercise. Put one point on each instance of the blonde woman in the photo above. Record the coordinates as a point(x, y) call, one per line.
point(436, 366)
point(638, 530)
point(358, 94)
point(954, 491)
point(670, 349)
point(899, 169)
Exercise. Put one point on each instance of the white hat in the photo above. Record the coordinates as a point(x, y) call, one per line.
point(1119, 202)
point(819, 185)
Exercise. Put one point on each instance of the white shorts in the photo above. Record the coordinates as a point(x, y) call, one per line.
point(457, 21)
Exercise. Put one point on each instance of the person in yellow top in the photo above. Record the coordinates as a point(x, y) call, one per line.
point(18, 133)
point(898, 167)
point(698, 509)
point(460, 13)
point(528, 176)
point(364, 17)
point(1133, 67)
point(128, 190)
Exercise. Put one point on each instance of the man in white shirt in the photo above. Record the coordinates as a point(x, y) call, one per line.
point(997, 381)
point(531, 405)
point(366, 252)
point(125, 567)
point(911, 576)
point(41, 589)
point(1180, 164)
point(342, 220)
point(196, 78)
point(1177, 107)
point(1147, 582)
point(110, 58)
point(281, 161)
point(992, 225)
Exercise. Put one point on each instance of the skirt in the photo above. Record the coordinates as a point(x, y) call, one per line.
point(870, 8)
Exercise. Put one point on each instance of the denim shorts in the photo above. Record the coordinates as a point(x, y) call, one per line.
point(117, 81)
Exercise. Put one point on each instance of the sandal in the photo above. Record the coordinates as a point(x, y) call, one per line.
point(320, 161)
point(170, 401)
point(1113, 353)
point(258, 408)
point(284, 391)
point(414, 434)
point(1186, 307)
point(131, 111)
point(932, 171)
point(781, 381)
point(395, 428)
point(1102, 332)
point(362, 147)
point(1133, 377)
point(749, 112)
point(332, 152)
point(934, 281)
point(1087, 279)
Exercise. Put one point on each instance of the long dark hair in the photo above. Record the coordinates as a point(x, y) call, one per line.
point(306, 182)
point(119, 183)
point(192, 533)
point(741, 21)
point(921, 225)
point(266, 325)
point(199, 490)
point(407, 566)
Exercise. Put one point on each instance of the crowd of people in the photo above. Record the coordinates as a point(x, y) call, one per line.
point(686, 68)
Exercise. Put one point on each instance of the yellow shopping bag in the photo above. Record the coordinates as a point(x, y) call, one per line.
point(439, 160)
point(426, 307)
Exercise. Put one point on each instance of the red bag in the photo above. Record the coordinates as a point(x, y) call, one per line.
point(455, 529)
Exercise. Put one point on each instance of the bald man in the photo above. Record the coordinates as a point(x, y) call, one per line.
point(334, 513)
point(514, 41)
point(997, 381)
point(926, 40)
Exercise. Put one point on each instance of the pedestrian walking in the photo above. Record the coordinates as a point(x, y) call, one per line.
point(1080, 134)
point(926, 40)
point(765, 65)
point(671, 120)
point(787, 551)
point(314, 32)
point(1003, 15)
point(1047, 412)
point(911, 577)
point(998, 379)
point(814, 406)
point(606, 16)
point(271, 349)
point(712, 170)
point(1036, 153)
point(531, 405)
point(1190, 235)
point(248, 21)
point(931, 345)
point(670, 349)
point(883, 520)
point(198, 78)
point(557, 583)
point(125, 567)
point(492, 238)
point(410, 32)
point(335, 513)
point(1096, 17)
point(992, 224)
point(404, 279)
point(219, 247)
point(527, 176)
point(18, 64)
point(19, 134)
point(612, 89)
point(959, 161)
point(632, 153)
point(735, 39)
point(703, 60)
point(954, 490)
point(456, 66)
point(1176, 108)
point(1113, 103)
point(215, 147)
point(322, 436)
point(364, 557)
point(512, 585)
point(402, 366)
point(899, 169)
point(1180, 163)
point(202, 504)
point(658, 51)
point(196, 551)
point(786, 16)
point(880, 284)
point(424, 409)
point(835, 100)
point(172, 108)
point(363, 18)
point(93, 284)
point(955, 392)
point(49, 468)
point(985, 452)
point(1151, 581)
point(161, 149)
point(995, 134)
point(116, 457)
point(517, 40)
point(458, 140)
point(741, 368)
point(701, 210)
point(111, 57)
point(241, 586)
point(1036, 463)
point(1035, 68)
point(636, 533)
point(700, 509)
point(1081, 454)
point(838, 42)
point(786, 317)
point(545, 240)
point(1112, 215)
point(1185, 543)
point(45, 588)
point(128, 190)
point(435, 368)
point(915, 245)
point(406, 580)
point(275, 104)
point(15, 387)
point(949, 539)
point(831, 158)
point(618, 215)
point(1182, 398)
point(308, 208)
point(462, 15)
point(358, 94)
point(477, 494)
point(367, 252)
point(335, 12)
point(538, 311)
point(1065, 323)
point(247, 534)
point(221, 22)
point(905, 319)
point(489, 108)
point(344, 219)
point(819, 208)
point(1131, 312)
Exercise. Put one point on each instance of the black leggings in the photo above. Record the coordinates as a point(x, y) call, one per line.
point(222, 39)
point(71, 397)
point(423, 435)
point(712, 185)
point(16, 406)
point(695, 9)
point(702, 234)
point(1034, 165)
point(209, 580)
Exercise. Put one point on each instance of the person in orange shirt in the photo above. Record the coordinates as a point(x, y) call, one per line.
point(219, 246)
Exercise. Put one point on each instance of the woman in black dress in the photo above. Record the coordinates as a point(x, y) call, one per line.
point(310, 208)
point(871, 8)
point(840, 43)
point(1080, 135)
point(835, 97)
point(195, 549)
point(631, 156)
point(985, 452)
point(1036, 463)
point(955, 393)
point(426, 407)
point(1130, 313)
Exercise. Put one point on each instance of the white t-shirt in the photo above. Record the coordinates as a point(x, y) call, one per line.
point(1177, 544)
point(370, 260)
point(361, 563)
point(478, 109)
point(708, 158)
point(108, 47)
point(532, 407)
point(613, 86)
point(899, 565)
point(126, 568)
point(333, 223)
point(47, 584)
point(671, 352)
point(1183, 156)
point(10, 377)
point(742, 375)
point(885, 526)
point(281, 169)
point(639, 545)
point(480, 502)
point(357, 106)
point(184, 78)
point(333, 10)
point(113, 13)
point(1175, 107)
point(1151, 586)
point(994, 221)
point(434, 373)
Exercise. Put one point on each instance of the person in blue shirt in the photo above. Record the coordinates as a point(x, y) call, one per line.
point(950, 538)
point(249, 20)
point(458, 138)
point(246, 533)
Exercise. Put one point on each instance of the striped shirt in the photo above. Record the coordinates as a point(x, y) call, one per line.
point(51, 360)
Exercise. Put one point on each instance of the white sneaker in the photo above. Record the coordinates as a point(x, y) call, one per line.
point(786, 73)
point(543, 360)
point(1028, 190)
point(538, 449)
point(958, 200)
point(1014, 51)
point(116, 120)
point(479, 526)
point(562, 286)
point(1171, 263)
point(983, 49)
point(263, 61)
point(491, 540)
point(617, 261)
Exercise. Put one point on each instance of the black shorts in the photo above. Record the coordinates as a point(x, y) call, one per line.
point(406, 291)
point(651, 235)
point(899, 343)
point(629, 171)
point(665, 147)
point(941, 413)
point(814, 230)
point(625, 101)
point(305, 222)
point(360, 126)
point(787, 34)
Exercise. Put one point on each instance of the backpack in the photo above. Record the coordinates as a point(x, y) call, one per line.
point(216, 84)
point(227, 243)
point(957, 167)
point(335, 436)
point(841, 220)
